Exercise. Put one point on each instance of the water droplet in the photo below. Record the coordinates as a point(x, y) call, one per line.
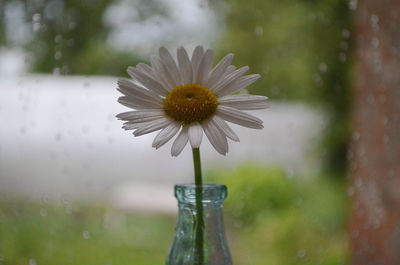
point(342, 57)
point(374, 20)
point(32, 261)
point(65, 200)
point(350, 191)
point(58, 137)
point(259, 30)
point(58, 55)
point(54, 9)
point(354, 234)
point(358, 183)
point(72, 25)
point(58, 38)
point(353, 4)
point(323, 67)
point(36, 17)
point(290, 172)
point(43, 212)
point(70, 43)
point(85, 129)
point(56, 71)
point(382, 99)
point(344, 45)
point(385, 120)
point(68, 209)
point(318, 80)
point(370, 99)
point(350, 155)
point(356, 136)
point(385, 139)
point(35, 26)
point(346, 33)
point(375, 43)
point(301, 253)
point(86, 234)
point(237, 224)
point(46, 198)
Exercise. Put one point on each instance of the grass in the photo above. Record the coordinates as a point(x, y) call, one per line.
point(271, 219)
point(33, 233)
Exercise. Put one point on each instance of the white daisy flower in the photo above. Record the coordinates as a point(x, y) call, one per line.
point(190, 97)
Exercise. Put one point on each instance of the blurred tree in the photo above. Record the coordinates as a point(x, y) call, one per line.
point(71, 38)
point(300, 49)
point(68, 37)
point(2, 26)
point(375, 167)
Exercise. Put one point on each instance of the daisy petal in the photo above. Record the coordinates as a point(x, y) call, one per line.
point(225, 128)
point(195, 135)
point(138, 103)
point(170, 65)
point(247, 106)
point(128, 88)
point(144, 118)
point(166, 134)
point(196, 59)
point(162, 76)
point(244, 98)
point(180, 142)
point(185, 66)
point(238, 84)
point(147, 81)
point(130, 126)
point(216, 138)
point(205, 67)
point(219, 70)
point(131, 115)
point(228, 79)
point(239, 117)
point(147, 70)
point(244, 102)
point(152, 126)
point(137, 98)
point(134, 125)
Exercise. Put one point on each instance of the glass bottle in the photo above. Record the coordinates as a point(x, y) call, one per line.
point(184, 249)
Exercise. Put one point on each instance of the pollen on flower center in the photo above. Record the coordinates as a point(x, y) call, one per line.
point(190, 103)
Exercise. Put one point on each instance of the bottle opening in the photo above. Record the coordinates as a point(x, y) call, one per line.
point(211, 193)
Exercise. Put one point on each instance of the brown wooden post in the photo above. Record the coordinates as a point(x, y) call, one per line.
point(375, 151)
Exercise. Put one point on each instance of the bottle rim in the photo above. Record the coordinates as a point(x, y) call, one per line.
point(186, 193)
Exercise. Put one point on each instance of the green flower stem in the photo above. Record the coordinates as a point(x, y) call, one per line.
point(199, 252)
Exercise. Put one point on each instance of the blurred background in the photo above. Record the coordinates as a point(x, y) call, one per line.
point(77, 189)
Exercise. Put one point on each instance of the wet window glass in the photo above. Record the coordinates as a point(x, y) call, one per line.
point(318, 185)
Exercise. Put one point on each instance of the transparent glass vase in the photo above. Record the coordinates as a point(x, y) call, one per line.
point(185, 246)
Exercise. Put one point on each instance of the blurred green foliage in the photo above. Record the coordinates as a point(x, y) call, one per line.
point(85, 234)
point(277, 220)
point(71, 42)
point(300, 48)
point(270, 220)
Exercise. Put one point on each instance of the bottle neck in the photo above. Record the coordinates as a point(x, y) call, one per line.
point(210, 193)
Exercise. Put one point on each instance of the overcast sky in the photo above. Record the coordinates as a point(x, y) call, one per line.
point(187, 23)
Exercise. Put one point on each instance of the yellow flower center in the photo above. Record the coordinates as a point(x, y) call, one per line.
point(190, 103)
